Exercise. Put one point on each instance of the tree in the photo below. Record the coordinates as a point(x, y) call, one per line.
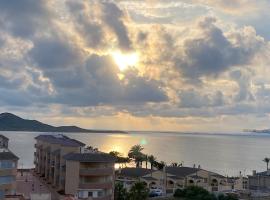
point(227, 197)
point(138, 191)
point(266, 160)
point(152, 159)
point(90, 148)
point(175, 164)
point(120, 159)
point(199, 193)
point(161, 165)
point(120, 193)
point(136, 154)
point(146, 160)
point(194, 193)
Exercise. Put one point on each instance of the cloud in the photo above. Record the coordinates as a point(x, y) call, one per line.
point(114, 18)
point(23, 18)
point(213, 51)
point(100, 84)
point(106, 19)
point(196, 59)
point(194, 99)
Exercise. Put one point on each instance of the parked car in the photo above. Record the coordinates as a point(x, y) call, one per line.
point(156, 192)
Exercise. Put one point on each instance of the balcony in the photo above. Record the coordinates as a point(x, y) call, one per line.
point(96, 172)
point(103, 185)
point(108, 197)
point(8, 172)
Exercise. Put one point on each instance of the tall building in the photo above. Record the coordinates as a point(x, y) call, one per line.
point(71, 169)
point(8, 169)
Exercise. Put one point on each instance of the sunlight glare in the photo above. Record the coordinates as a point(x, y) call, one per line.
point(124, 61)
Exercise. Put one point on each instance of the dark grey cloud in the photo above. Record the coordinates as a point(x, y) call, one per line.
point(91, 31)
point(22, 18)
point(54, 52)
point(113, 17)
point(194, 99)
point(101, 86)
point(14, 98)
point(213, 53)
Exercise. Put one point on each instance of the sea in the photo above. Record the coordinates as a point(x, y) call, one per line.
point(227, 154)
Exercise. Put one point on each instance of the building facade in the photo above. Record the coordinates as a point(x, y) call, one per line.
point(8, 169)
point(71, 169)
point(172, 178)
point(3, 142)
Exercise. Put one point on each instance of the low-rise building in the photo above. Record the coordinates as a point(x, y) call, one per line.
point(259, 181)
point(128, 176)
point(8, 169)
point(172, 178)
point(71, 169)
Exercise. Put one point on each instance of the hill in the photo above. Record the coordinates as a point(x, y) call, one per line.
point(11, 122)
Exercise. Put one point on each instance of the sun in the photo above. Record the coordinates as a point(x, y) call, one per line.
point(124, 61)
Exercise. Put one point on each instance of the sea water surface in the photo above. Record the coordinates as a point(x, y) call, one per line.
point(227, 154)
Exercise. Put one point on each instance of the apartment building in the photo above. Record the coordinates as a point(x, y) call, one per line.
point(8, 169)
point(72, 169)
point(172, 178)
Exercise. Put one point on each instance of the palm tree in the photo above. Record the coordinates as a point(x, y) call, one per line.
point(162, 164)
point(90, 148)
point(152, 159)
point(115, 154)
point(266, 160)
point(136, 154)
point(146, 160)
point(139, 191)
point(175, 164)
point(120, 159)
point(159, 165)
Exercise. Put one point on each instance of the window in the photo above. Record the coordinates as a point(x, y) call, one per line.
point(100, 193)
point(90, 194)
point(6, 179)
point(7, 164)
point(80, 194)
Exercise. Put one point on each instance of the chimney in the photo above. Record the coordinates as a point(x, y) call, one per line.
point(254, 173)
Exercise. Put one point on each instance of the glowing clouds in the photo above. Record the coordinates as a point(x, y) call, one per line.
point(124, 61)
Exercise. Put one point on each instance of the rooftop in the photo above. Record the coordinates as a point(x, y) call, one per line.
point(134, 172)
point(149, 178)
point(60, 139)
point(5, 154)
point(90, 157)
point(4, 137)
point(265, 173)
point(196, 177)
point(218, 176)
point(181, 171)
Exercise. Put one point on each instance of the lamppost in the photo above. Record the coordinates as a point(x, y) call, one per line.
point(22, 170)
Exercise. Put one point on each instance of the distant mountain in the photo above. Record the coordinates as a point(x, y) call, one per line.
point(11, 122)
point(257, 131)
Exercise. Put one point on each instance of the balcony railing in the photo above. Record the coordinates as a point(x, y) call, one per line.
point(96, 172)
point(103, 185)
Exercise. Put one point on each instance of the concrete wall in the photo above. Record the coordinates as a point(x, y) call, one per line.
point(72, 177)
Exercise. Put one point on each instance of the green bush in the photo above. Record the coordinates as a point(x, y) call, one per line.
point(179, 193)
point(198, 193)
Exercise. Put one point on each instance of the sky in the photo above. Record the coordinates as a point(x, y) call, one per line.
point(168, 65)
